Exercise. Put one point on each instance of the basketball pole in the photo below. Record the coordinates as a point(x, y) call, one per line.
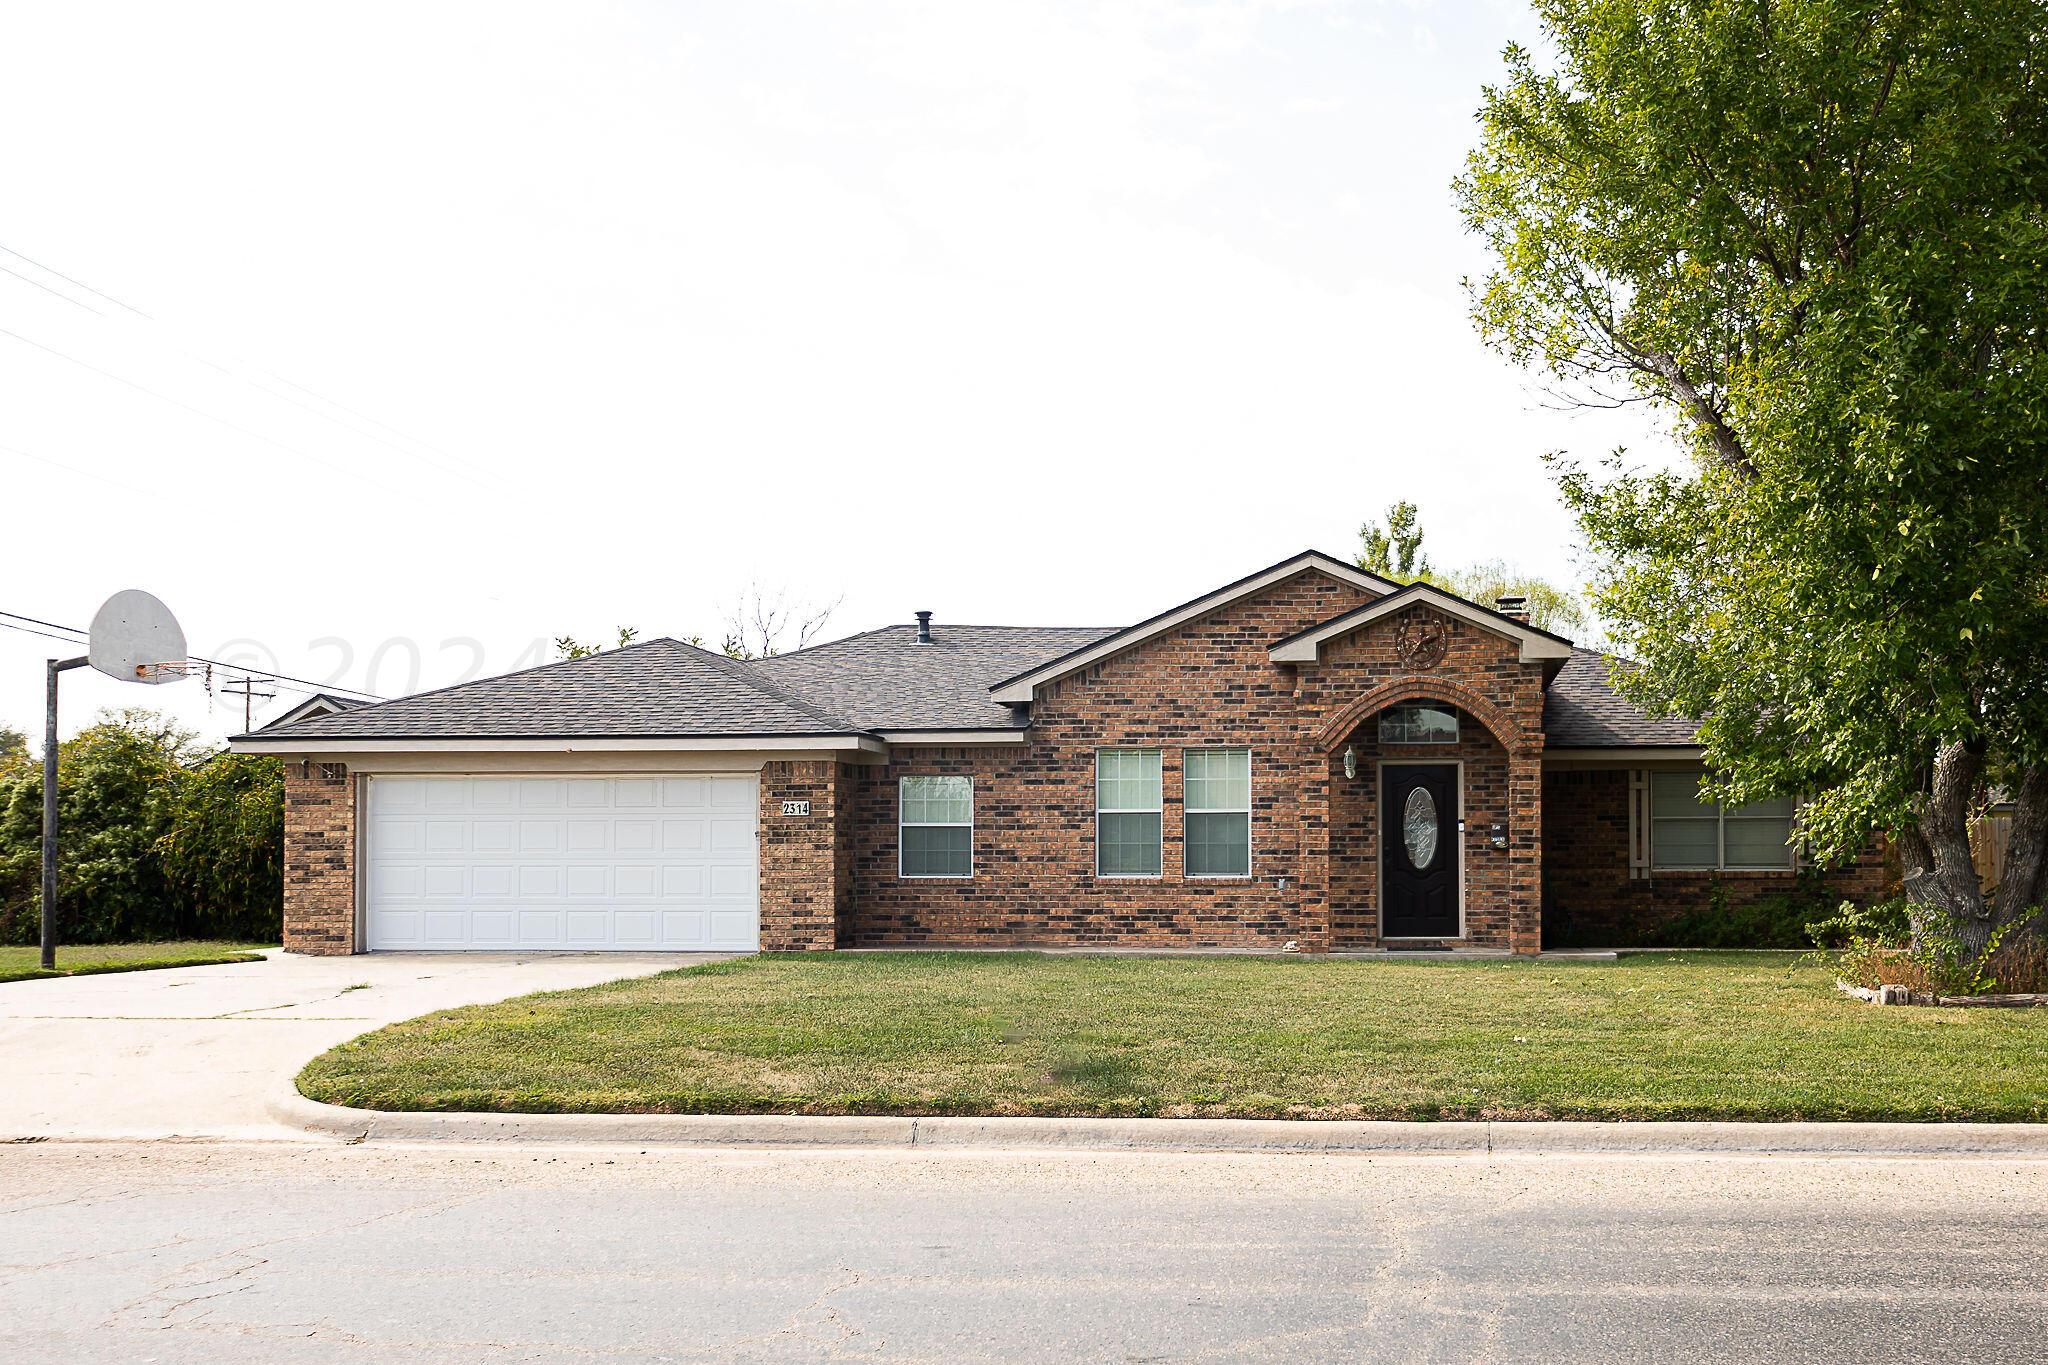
point(55, 669)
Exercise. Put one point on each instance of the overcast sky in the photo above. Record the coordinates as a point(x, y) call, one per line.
point(1023, 313)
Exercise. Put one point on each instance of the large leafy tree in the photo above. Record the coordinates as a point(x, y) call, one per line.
point(1812, 232)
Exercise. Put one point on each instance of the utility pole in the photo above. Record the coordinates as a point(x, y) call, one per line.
point(245, 688)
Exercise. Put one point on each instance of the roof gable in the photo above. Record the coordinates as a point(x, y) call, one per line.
point(1537, 646)
point(319, 704)
point(1018, 690)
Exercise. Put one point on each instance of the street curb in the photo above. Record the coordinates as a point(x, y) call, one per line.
point(294, 1110)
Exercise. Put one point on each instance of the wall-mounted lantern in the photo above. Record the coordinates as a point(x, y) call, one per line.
point(1350, 761)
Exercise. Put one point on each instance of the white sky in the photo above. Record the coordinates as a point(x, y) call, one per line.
point(1024, 313)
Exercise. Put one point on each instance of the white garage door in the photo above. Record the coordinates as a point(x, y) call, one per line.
point(618, 863)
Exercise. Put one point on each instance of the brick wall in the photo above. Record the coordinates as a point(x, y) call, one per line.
point(805, 869)
point(1590, 898)
point(1314, 835)
point(319, 862)
point(1209, 684)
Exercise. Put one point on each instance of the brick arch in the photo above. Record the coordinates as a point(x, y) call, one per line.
point(1416, 688)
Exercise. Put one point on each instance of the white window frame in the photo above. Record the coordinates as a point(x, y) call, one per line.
point(1188, 809)
point(902, 786)
point(1721, 817)
point(1158, 810)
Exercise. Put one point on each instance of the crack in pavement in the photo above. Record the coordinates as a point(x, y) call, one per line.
point(208, 1270)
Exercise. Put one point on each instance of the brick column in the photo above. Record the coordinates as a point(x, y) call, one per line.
point(1313, 813)
point(805, 865)
point(1525, 850)
point(319, 859)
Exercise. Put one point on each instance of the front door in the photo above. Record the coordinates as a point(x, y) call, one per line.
point(1419, 851)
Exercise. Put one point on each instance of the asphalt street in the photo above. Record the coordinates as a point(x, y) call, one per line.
point(181, 1251)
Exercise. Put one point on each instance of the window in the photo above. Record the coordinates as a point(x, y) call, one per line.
point(1127, 813)
point(937, 827)
point(1418, 725)
point(1218, 806)
point(1688, 833)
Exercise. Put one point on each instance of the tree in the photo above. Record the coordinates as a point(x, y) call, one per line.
point(569, 647)
point(1811, 233)
point(222, 855)
point(1395, 551)
point(760, 623)
point(116, 789)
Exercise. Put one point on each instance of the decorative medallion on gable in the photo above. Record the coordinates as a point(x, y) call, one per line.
point(1421, 640)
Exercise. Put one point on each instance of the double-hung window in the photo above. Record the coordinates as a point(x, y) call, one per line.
point(1217, 802)
point(936, 831)
point(1688, 833)
point(1127, 813)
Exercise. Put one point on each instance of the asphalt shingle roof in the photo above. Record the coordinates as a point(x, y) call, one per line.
point(881, 680)
point(654, 688)
point(1582, 710)
point(885, 680)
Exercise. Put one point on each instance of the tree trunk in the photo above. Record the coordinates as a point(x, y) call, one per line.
point(2024, 878)
point(1944, 898)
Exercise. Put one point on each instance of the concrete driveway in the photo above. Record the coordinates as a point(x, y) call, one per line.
point(194, 1051)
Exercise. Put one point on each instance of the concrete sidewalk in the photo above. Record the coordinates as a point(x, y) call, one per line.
point(199, 1051)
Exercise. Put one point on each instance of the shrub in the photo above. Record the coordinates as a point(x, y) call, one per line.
point(1782, 919)
point(159, 840)
point(1872, 947)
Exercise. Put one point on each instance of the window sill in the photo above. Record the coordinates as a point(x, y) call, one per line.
point(1217, 877)
point(934, 876)
point(1717, 871)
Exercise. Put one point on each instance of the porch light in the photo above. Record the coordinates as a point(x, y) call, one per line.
point(1350, 761)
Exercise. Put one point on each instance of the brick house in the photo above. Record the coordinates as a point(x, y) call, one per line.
point(1310, 756)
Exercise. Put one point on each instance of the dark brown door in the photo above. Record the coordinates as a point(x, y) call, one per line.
point(1419, 851)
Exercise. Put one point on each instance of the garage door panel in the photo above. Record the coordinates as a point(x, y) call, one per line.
point(591, 863)
point(398, 836)
point(445, 836)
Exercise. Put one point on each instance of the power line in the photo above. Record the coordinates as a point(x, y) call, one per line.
point(68, 280)
point(197, 412)
point(53, 293)
point(130, 484)
point(217, 663)
point(456, 464)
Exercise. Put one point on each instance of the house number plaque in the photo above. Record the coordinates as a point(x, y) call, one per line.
point(796, 808)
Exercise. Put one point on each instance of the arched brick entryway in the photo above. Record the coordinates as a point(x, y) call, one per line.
point(1500, 773)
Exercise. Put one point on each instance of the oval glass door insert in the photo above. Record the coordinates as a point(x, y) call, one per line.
point(1418, 828)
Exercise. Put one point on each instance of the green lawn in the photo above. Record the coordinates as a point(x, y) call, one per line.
point(1661, 1036)
point(24, 964)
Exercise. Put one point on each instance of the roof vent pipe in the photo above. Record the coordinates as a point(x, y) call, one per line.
point(1517, 607)
point(924, 627)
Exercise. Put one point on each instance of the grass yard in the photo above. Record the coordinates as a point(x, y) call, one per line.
point(24, 964)
point(1665, 1036)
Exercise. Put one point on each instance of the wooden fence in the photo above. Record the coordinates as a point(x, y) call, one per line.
point(1989, 835)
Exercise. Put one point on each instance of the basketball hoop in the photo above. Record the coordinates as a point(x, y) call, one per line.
point(134, 638)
